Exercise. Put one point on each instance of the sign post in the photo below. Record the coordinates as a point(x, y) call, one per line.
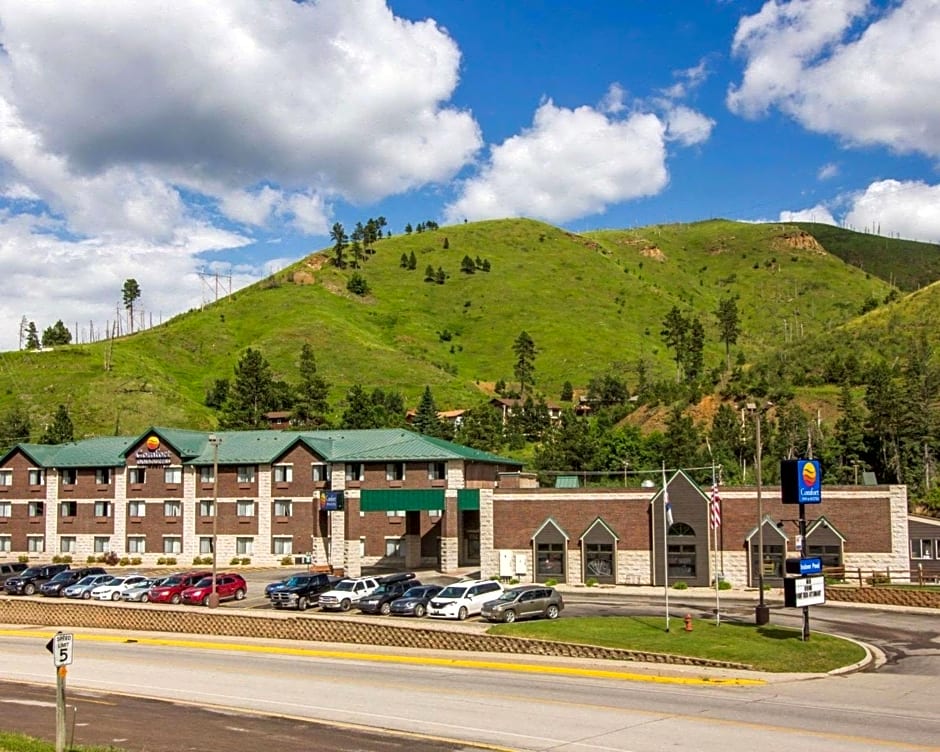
point(61, 648)
point(801, 483)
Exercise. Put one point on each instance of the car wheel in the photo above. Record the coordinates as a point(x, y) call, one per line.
point(175, 600)
point(345, 605)
point(509, 616)
point(462, 613)
point(29, 589)
point(301, 604)
point(552, 611)
point(239, 595)
point(420, 611)
point(86, 595)
point(115, 596)
point(145, 598)
point(385, 609)
point(205, 601)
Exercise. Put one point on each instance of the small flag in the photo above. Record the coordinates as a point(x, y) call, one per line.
point(668, 510)
point(715, 507)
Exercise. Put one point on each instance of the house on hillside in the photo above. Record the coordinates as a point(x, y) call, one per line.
point(506, 406)
point(453, 417)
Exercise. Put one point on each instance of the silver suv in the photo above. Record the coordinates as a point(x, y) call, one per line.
point(347, 592)
point(524, 602)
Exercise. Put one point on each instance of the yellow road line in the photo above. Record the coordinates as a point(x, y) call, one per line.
point(402, 659)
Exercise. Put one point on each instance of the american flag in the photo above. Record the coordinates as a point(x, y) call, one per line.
point(715, 507)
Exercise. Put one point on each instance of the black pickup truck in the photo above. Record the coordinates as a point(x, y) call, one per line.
point(302, 590)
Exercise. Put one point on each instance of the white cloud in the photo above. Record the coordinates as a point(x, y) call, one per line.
point(570, 163)
point(688, 80)
point(687, 126)
point(818, 213)
point(819, 62)
point(160, 128)
point(614, 101)
point(828, 171)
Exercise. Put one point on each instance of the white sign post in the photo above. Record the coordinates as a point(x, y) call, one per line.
point(61, 648)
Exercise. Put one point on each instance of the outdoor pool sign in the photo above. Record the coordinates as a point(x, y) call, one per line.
point(800, 482)
point(800, 592)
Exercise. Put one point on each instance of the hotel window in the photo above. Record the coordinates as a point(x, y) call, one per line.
point(102, 509)
point(246, 473)
point(435, 512)
point(35, 544)
point(36, 509)
point(283, 473)
point(437, 471)
point(205, 545)
point(173, 476)
point(355, 471)
point(37, 476)
point(103, 476)
point(67, 544)
point(6, 477)
point(136, 476)
point(395, 513)
point(136, 544)
point(245, 508)
point(282, 508)
point(6, 509)
point(923, 548)
point(206, 474)
point(102, 544)
point(134, 509)
point(68, 509)
point(206, 508)
point(244, 546)
point(6, 544)
point(395, 471)
point(394, 548)
point(69, 476)
point(172, 544)
point(318, 473)
point(172, 509)
point(283, 546)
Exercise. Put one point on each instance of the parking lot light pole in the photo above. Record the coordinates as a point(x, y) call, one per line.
point(215, 441)
point(762, 611)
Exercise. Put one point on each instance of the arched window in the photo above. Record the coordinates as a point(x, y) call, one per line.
point(680, 528)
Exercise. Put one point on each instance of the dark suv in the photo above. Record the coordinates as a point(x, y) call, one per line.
point(10, 569)
point(28, 581)
point(302, 590)
point(56, 586)
point(393, 586)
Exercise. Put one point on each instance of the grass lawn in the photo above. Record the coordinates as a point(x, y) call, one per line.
point(22, 743)
point(767, 648)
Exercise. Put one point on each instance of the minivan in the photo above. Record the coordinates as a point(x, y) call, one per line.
point(463, 599)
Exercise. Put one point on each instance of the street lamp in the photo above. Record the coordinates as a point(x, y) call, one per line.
point(762, 612)
point(215, 441)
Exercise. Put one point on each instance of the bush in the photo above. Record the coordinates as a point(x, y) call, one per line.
point(135, 561)
point(90, 559)
point(591, 582)
point(245, 561)
point(22, 559)
point(680, 585)
point(551, 582)
point(235, 560)
point(724, 585)
point(124, 561)
point(197, 560)
point(287, 560)
point(161, 561)
point(878, 578)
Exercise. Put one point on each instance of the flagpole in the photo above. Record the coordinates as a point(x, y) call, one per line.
point(666, 543)
point(714, 528)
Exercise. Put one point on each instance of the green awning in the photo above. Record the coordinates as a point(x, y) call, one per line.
point(468, 498)
point(401, 499)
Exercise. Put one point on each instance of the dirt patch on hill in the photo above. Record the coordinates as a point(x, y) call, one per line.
point(653, 252)
point(801, 241)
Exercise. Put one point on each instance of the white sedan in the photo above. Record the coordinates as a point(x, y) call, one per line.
point(113, 588)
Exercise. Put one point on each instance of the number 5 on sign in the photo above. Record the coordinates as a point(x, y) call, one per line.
point(62, 649)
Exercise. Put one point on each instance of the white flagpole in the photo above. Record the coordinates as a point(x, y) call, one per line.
point(666, 543)
point(711, 511)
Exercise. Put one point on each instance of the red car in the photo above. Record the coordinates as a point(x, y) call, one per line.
point(169, 590)
point(228, 585)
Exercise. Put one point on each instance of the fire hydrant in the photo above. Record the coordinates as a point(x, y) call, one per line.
point(688, 622)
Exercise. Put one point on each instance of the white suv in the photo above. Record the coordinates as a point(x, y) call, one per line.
point(463, 599)
point(347, 592)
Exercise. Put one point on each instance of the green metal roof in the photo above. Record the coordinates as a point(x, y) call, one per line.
point(264, 447)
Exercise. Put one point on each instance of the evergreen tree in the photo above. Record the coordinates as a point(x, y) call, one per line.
point(683, 441)
point(130, 294)
point(408, 229)
point(32, 337)
point(217, 394)
point(728, 325)
point(524, 368)
point(567, 392)
point(426, 420)
point(358, 285)
point(481, 428)
point(568, 446)
point(60, 431)
point(694, 359)
point(882, 398)
point(57, 334)
point(403, 261)
point(14, 429)
point(486, 265)
point(340, 240)
point(440, 277)
point(412, 261)
point(358, 412)
point(388, 408)
point(446, 244)
point(250, 395)
point(429, 274)
point(467, 266)
point(675, 334)
point(310, 405)
point(849, 436)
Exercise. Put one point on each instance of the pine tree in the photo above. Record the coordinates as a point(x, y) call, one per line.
point(524, 368)
point(440, 277)
point(250, 395)
point(728, 325)
point(567, 392)
point(481, 428)
point(429, 274)
point(130, 294)
point(14, 429)
point(412, 261)
point(310, 405)
point(403, 261)
point(359, 410)
point(32, 337)
point(57, 334)
point(675, 334)
point(426, 420)
point(849, 436)
point(467, 266)
point(61, 430)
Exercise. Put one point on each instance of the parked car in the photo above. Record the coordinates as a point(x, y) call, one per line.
point(170, 589)
point(463, 599)
point(10, 569)
point(379, 601)
point(347, 592)
point(524, 602)
point(111, 590)
point(30, 579)
point(302, 590)
point(228, 586)
point(414, 601)
point(141, 593)
point(82, 588)
point(62, 580)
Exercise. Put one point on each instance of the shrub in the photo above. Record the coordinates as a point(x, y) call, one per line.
point(109, 558)
point(724, 585)
point(551, 582)
point(135, 560)
point(245, 560)
point(680, 585)
point(878, 578)
point(591, 582)
point(202, 560)
point(234, 561)
point(56, 559)
point(22, 558)
point(161, 561)
point(124, 561)
point(90, 559)
point(287, 560)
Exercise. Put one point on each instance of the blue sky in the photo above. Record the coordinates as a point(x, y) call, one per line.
point(157, 140)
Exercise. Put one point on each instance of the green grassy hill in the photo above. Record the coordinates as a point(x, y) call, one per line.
point(590, 302)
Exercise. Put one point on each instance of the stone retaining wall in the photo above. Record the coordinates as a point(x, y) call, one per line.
point(308, 628)
point(885, 596)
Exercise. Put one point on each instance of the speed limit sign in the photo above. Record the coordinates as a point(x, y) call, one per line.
point(61, 648)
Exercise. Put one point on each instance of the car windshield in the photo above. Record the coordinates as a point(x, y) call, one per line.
point(173, 580)
point(31, 572)
point(112, 581)
point(294, 581)
point(415, 592)
point(453, 591)
point(62, 577)
point(90, 579)
point(344, 585)
point(509, 595)
point(205, 582)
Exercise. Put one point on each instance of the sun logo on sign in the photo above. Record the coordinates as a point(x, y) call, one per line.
point(809, 474)
point(153, 443)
